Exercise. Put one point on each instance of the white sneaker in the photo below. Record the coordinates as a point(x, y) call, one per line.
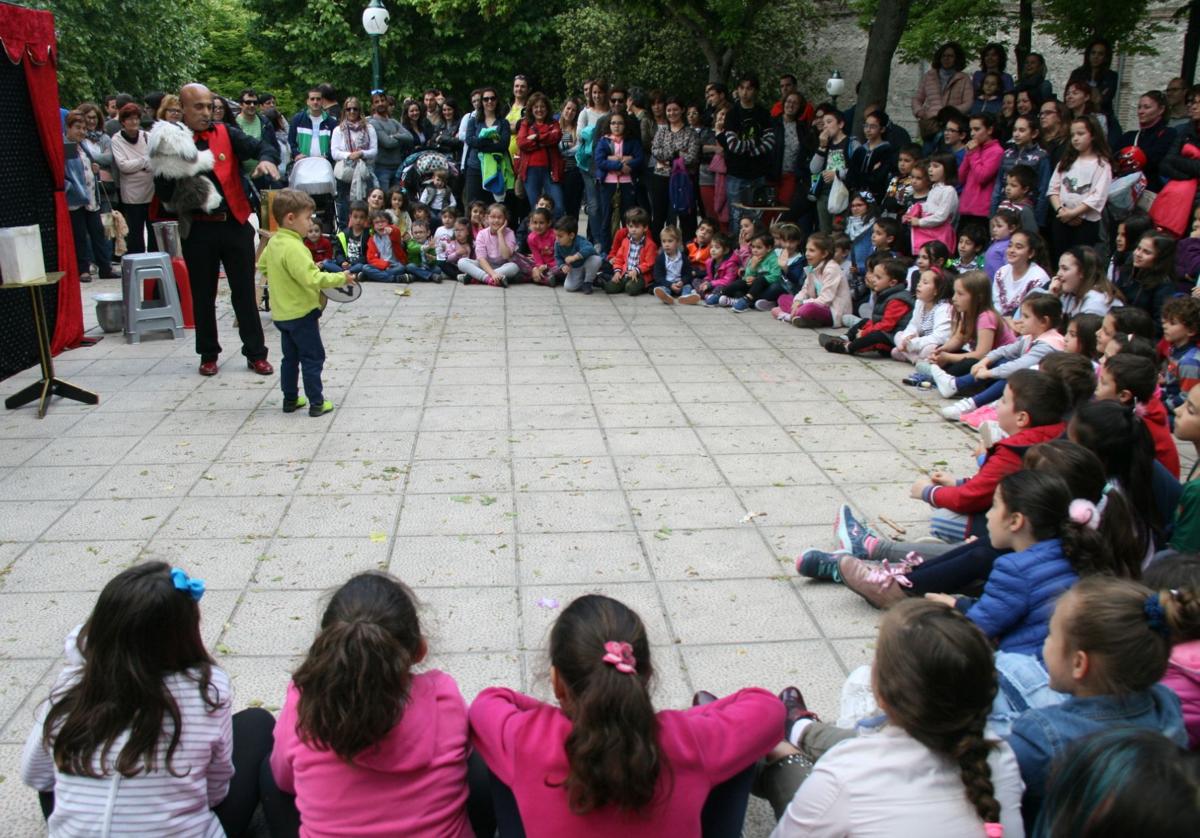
point(944, 381)
point(664, 295)
point(724, 302)
point(956, 410)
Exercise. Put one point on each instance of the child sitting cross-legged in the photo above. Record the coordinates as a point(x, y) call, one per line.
point(761, 283)
point(698, 248)
point(540, 242)
point(318, 244)
point(1133, 380)
point(720, 269)
point(976, 330)
point(1040, 318)
point(1107, 648)
point(673, 274)
point(364, 744)
point(893, 307)
point(927, 759)
point(633, 258)
point(350, 244)
point(929, 326)
point(495, 246)
point(386, 253)
point(600, 760)
point(422, 254)
point(575, 259)
point(825, 297)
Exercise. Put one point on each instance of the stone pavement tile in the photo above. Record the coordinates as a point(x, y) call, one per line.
point(756, 440)
point(643, 393)
point(26, 520)
point(175, 449)
point(19, 809)
point(362, 445)
point(626, 375)
point(363, 396)
point(918, 439)
point(464, 476)
point(352, 419)
point(313, 516)
point(260, 681)
point(714, 611)
point(393, 377)
point(652, 440)
point(812, 413)
point(443, 418)
point(670, 509)
point(787, 542)
point(863, 392)
point(146, 481)
point(272, 622)
point(855, 652)
point(716, 377)
point(546, 393)
point(573, 512)
point(214, 617)
point(686, 554)
point(136, 401)
point(770, 469)
point(838, 612)
point(479, 361)
point(469, 619)
point(792, 505)
point(318, 563)
point(810, 665)
point(863, 468)
point(346, 477)
point(546, 474)
point(731, 414)
point(210, 422)
point(651, 414)
point(569, 442)
point(14, 451)
point(855, 439)
point(83, 451)
point(670, 471)
point(475, 671)
point(225, 564)
point(567, 373)
point(552, 417)
point(449, 445)
point(35, 625)
point(49, 482)
point(49, 566)
point(461, 514)
point(564, 558)
point(483, 560)
point(226, 479)
point(890, 412)
point(210, 398)
point(553, 361)
point(702, 392)
point(18, 679)
point(890, 499)
point(463, 393)
point(841, 371)
point(642, 597)
point(230, 517)
point(770, 391)
point(96, 424)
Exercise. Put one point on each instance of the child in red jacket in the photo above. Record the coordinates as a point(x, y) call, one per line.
point(318, 244)
point(633, 259)
point(1133, 379)
point(893, 308)
point(386, 255)
point(1031, 411)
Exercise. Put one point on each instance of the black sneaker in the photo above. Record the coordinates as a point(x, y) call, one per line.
point(320, 409)
point(292, 405)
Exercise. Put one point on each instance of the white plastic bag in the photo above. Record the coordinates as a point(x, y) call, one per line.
point(363, 183)
point(839, 196)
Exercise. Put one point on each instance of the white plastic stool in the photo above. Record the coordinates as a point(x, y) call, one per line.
point(163, 313)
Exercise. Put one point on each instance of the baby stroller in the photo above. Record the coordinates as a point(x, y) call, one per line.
point(418, 168)
point(314, 175)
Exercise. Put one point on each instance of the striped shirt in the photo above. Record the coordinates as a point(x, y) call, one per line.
point(157, 803)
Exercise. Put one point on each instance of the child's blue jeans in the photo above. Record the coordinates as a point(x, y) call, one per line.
point(992, 392)
point(419, 273)
point(302, 351)
point(370, 273)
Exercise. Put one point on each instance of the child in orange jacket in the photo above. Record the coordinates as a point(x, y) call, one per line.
point(633, 259)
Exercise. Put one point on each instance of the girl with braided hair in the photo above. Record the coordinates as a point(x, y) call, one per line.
point(1108, 647)
point(926, 761)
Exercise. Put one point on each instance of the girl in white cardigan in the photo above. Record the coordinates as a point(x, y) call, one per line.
point(925, 767)
point(935, 209)
point(932, 313)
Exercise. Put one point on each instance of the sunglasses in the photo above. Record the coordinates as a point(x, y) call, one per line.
point(352, 110)
point(617, 100)
point(489, 98)
point(249, 101)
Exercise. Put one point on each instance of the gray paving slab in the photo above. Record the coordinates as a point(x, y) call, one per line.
point(503, 453)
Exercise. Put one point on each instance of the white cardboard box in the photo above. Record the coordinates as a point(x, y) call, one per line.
point(21, 255)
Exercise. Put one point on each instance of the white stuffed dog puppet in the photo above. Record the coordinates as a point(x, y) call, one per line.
point(174, 156)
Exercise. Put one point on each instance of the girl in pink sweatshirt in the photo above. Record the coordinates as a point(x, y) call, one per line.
point(978, 170)
point(366, 746)
point(603, 762)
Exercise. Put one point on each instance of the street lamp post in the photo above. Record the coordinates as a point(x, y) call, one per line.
point(375, 21)
point(835, 86)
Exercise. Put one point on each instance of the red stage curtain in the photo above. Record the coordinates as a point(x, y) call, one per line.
point(28, 38)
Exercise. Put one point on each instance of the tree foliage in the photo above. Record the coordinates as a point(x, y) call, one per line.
point(972, 23)
point(233, 57)
point(130, 45)
point(1125, 23)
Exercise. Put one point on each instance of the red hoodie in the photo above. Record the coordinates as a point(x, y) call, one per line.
point(1155, 417)
point(321, 249)
point(1004, 458)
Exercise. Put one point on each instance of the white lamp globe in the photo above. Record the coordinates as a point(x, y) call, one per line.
point(375, 19)
point(836, 84)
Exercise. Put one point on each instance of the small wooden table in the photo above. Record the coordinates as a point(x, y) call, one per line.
point(49, 385)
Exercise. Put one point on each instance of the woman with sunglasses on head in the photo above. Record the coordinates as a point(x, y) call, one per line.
point(354, 141)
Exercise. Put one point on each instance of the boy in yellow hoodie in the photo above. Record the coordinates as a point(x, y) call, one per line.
point(296, 283)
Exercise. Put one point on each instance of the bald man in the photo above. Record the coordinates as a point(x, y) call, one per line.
point(223, 236)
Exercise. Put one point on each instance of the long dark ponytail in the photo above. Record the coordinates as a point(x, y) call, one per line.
point(1045, 499)
point(612, 750)
point(142, 629)
point(936, 678)
point(355, 680)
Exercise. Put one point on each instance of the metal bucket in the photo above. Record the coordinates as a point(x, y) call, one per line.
point(110, 312)
point(167, 235)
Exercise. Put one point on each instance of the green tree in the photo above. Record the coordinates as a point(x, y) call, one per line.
point(233, 56)
point(130, 45)
point(1125, 23)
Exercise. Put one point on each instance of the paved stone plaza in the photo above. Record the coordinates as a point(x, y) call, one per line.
point(500, 451)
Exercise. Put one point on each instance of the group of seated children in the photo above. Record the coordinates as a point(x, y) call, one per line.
point(139, 732)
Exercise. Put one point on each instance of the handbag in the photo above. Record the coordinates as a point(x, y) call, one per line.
point(343, 170)
point(839, 197)
point(1172, 207)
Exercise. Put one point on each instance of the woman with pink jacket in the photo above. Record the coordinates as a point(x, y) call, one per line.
point(978, 170)
point(944, 85)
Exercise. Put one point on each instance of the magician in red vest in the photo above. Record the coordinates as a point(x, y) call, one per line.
point(224, 236)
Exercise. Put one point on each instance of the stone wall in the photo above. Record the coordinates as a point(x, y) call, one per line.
point(840, 44)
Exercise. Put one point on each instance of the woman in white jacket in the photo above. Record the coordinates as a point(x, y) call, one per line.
point(355, 143)
point(929, 326)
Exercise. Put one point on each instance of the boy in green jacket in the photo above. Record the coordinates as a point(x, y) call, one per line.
point(296, 283)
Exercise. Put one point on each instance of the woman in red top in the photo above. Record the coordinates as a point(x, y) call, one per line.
point(540, 166)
